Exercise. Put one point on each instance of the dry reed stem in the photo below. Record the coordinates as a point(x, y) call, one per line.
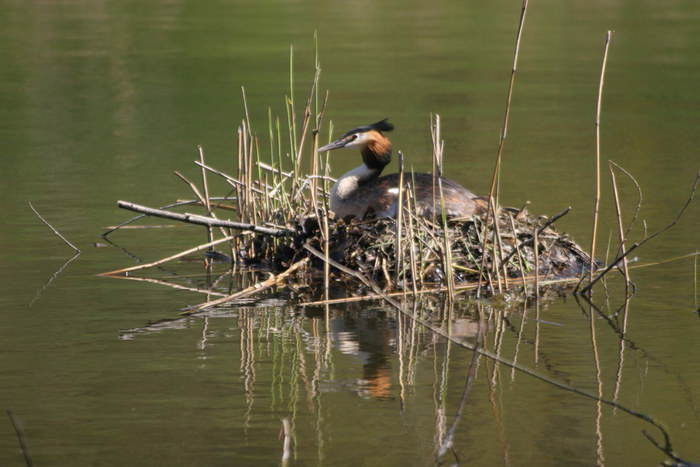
point(621, 232)
point(517, 248)
point(323, 211)
point(229, 179)
point(536, 245)
point(438, 146)
point(597, 154)
point(239, 171)
point(204, 200)
point(169, 258)
point(322, 225)
point(503, 136)
point(205, 185)
point(411, 246)
point(498, 244)
point(54, 230)
point(192, 186)
point(307, 115)
point(398, 246)
point(639, 199)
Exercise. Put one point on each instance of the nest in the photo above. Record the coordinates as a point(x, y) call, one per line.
point(425, 253)
point(281, 219)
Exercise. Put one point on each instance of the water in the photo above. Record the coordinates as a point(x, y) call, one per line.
point(104, 101)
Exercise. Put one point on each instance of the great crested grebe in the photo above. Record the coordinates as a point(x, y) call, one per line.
point(362, 191)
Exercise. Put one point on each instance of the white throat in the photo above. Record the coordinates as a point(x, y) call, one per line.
point(344, 190)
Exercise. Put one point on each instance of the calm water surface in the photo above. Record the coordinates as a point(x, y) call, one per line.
point(103, 101)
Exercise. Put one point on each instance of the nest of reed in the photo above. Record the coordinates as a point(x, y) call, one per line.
point(426, 253)
point(281, 219)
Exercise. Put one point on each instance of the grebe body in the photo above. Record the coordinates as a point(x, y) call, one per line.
point(362, 191)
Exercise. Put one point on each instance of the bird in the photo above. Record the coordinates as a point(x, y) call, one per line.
point(361, 192)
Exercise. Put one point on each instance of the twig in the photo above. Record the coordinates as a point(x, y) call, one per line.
point(620, 229)
point(503, 139)
point(229, 179)
point(19, 428)
point(202, 220)
point(646, 239)
point(54, 230)
point(639, 200)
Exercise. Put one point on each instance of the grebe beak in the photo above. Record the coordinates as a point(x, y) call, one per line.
point(334, 145)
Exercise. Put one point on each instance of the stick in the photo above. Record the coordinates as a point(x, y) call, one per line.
point(179, 203)
point(54, 230)
point(202, 220)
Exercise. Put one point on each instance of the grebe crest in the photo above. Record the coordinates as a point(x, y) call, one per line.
point(362, 191)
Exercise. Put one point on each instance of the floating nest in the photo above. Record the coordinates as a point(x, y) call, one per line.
point(281, 219)
point(424, 254)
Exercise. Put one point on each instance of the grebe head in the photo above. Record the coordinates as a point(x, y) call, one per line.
point(369, 139)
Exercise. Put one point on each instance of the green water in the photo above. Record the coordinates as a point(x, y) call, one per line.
point(103, 101)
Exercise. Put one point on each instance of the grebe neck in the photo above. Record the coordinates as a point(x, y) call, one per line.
point(347, 186)
point(377, 154)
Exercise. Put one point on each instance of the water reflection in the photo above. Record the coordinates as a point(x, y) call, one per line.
point(295, 361)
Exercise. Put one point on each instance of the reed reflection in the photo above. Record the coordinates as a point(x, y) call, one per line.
point(295, 360)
